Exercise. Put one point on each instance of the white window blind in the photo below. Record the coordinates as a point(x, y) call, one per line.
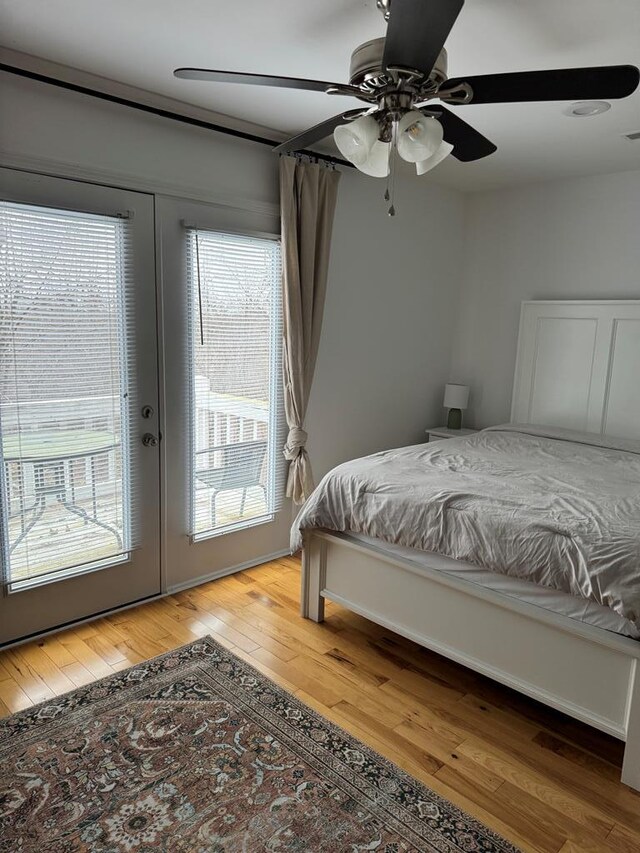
point(237, 468)
point(66, 346)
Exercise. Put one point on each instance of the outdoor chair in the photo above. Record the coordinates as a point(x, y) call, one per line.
point(241, 468)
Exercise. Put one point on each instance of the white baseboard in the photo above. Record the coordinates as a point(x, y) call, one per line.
point(231, 570)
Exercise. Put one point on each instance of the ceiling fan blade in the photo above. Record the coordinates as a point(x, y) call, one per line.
point(468, 143)
point(213, 76)
point(568, 84)
point(317, 132)
point(417, 32)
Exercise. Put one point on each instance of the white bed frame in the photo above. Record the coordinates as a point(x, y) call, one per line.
point(578, 366)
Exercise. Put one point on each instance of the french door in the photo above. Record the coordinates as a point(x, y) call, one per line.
point(79, 454)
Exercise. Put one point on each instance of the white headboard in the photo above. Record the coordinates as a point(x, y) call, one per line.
point(578, 366)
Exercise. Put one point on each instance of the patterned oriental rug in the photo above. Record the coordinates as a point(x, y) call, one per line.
point(197, 752)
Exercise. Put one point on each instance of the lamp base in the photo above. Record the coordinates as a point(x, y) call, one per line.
point(454, 419)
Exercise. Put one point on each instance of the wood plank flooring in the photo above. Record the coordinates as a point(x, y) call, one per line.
point(546, 782)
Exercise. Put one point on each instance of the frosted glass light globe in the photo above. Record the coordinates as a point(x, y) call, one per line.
point(424, 166)
point(419, 136)
point(358, 142)
point(355, 140)
point(377, 163)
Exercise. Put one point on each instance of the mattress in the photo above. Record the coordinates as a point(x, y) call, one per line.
point(555, 601)
point(546, 506)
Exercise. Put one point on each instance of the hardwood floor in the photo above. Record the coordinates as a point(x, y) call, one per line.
point(542, 780)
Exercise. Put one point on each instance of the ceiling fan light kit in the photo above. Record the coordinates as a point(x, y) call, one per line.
point(397, 76)
point(418, 139)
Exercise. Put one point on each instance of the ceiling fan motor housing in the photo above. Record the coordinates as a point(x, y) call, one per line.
point(366, 66)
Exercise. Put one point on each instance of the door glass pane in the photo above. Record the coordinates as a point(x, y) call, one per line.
point(63, 392)
point(236, 401)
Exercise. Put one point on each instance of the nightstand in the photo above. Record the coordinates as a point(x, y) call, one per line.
point(438, 433)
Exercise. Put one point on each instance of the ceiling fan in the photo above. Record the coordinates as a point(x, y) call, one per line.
point(398, 76)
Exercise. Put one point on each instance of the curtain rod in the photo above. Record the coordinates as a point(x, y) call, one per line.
point(158, 111)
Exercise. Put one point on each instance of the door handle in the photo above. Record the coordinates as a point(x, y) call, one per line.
point(149, 440)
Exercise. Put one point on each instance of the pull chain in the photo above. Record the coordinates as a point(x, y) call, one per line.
point(389, 192)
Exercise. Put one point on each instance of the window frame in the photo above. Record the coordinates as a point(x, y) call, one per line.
point(277, 422)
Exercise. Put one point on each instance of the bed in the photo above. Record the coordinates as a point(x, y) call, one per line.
point(515, 551)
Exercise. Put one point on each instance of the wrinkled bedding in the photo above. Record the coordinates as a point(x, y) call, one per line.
point(551, 506)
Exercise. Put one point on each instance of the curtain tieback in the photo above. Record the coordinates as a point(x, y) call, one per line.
point(296, 441)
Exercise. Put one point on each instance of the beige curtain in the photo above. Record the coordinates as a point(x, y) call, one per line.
point(308, 193)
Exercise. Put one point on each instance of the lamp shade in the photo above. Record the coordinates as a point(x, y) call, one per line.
point(424, 166)
point(456, 396)
point(355, 140)
point(419, 136)
point(359, 143)
point(377, 163)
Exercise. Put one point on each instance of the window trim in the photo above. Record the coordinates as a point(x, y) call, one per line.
point(234, 527)
point(276, 401)
point(191, 225)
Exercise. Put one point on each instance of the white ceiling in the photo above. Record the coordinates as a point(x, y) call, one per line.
point(140, 42)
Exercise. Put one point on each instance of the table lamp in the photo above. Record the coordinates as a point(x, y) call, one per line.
point(456, 398)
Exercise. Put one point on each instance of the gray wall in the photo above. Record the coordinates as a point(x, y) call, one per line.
point(389, 314)
point(573, 239)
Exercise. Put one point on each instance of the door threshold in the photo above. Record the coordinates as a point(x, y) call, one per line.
point(202, 579)
point(74, 622)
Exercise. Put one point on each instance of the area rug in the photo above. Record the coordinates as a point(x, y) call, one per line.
point(197, 752)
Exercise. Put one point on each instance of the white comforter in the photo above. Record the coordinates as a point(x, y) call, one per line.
point(558, 508)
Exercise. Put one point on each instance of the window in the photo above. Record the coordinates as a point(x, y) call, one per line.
point(236, 462)
point(65, 467)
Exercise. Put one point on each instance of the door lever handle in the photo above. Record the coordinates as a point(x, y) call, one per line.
point(149, 440)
